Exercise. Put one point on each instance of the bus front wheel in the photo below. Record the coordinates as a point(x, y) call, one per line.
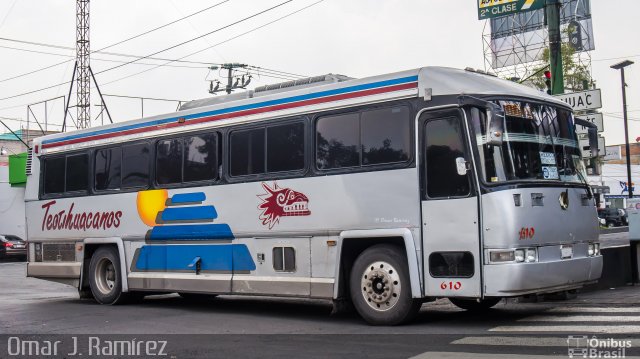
point(475, 305)
point(105, 277)
point(380, 286)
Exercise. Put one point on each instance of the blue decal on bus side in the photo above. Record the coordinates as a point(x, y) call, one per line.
point(188, 197)
point(195, 213)
point(222, 257)
point(191, 232)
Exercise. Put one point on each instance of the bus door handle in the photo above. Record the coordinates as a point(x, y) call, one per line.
point(196, 264)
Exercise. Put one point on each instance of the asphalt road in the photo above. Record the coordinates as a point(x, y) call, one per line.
point(230, 326)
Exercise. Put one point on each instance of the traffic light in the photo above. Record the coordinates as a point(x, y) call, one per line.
point(547, 81)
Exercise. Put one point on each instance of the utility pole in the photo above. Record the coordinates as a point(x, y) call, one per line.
point(621, 66)
point(231, 85)
point(555, 46)
point(83, 80)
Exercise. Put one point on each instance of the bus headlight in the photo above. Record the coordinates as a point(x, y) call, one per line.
point(501, 256)
point(596, 247)
point(531, 255)
point(519, 255)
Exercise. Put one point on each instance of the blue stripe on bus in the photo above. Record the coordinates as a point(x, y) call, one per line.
point(188, 197)
point(189, 213)
point(314, 95)
point(192, 232)
point(221, 257)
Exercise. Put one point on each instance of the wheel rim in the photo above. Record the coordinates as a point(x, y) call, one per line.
point(105, 275)
point(381, 286)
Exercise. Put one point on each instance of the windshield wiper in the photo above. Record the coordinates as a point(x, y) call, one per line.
point(584, 180)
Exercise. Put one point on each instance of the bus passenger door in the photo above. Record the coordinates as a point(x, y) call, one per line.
point(451, 242)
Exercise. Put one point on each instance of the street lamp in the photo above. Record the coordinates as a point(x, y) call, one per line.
point(621, 67)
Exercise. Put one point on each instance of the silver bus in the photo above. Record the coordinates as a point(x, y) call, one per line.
point(387, 191)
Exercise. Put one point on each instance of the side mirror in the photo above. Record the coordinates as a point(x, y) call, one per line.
point(593, 141)
point(592, 131)
point(462, 166)
point(495, 125)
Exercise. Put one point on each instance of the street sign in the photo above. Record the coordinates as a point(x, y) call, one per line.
point(614, 153)
point(582, 101)
point(494, 8)
point(595, 118)
point(583, 143)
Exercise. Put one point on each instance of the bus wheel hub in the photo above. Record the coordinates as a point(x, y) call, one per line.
point(381, 286)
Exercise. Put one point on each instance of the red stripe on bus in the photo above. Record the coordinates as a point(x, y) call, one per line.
point(238, 114)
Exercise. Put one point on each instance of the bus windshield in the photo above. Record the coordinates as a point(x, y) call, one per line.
point(540, 144)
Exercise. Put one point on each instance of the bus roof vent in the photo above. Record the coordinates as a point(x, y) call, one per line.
point(301, 83)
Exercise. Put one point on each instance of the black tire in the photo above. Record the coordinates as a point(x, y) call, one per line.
point(105, 277)
point(474, 305)
point(197, 297)
point(379, 302)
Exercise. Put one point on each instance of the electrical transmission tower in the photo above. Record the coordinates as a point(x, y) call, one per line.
point(83, 80)
point(82, 73)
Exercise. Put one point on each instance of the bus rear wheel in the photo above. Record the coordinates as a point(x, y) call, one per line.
point(475, 305)
point(380, 287)
point(105, 277)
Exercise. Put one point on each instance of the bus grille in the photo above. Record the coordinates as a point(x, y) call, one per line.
point(58, 252)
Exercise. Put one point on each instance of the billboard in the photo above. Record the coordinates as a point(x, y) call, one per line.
point(494, 8)
point(522, 37)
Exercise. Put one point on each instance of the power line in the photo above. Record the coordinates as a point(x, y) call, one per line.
point(104, 48)
point(155, 53)
point(93, 58)
point(197, 37)
point(225, 41)
point(8, 13)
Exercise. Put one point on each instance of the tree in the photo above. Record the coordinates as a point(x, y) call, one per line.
point(577, 77)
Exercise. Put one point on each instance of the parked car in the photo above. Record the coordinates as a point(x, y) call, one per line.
point(613, 216)
point(12, 246)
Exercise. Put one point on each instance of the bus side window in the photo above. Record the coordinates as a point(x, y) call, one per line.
point(444, 143)
point(54, 175)
point(247, 152)
point(108, 163)
point(77, 173)
point(285, 147)
point(135, 165)
point(373, 137)
point(386, 135)
point(337, 141)
point(169, 161)
point(200, 158)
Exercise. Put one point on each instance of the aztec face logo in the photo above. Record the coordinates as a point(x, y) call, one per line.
point(281, 202)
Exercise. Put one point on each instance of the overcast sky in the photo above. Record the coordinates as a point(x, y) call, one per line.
point(357, 38)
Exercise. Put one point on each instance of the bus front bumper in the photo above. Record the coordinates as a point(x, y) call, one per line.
point(517, 279)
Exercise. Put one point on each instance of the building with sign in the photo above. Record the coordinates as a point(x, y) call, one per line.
point(612, 185)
